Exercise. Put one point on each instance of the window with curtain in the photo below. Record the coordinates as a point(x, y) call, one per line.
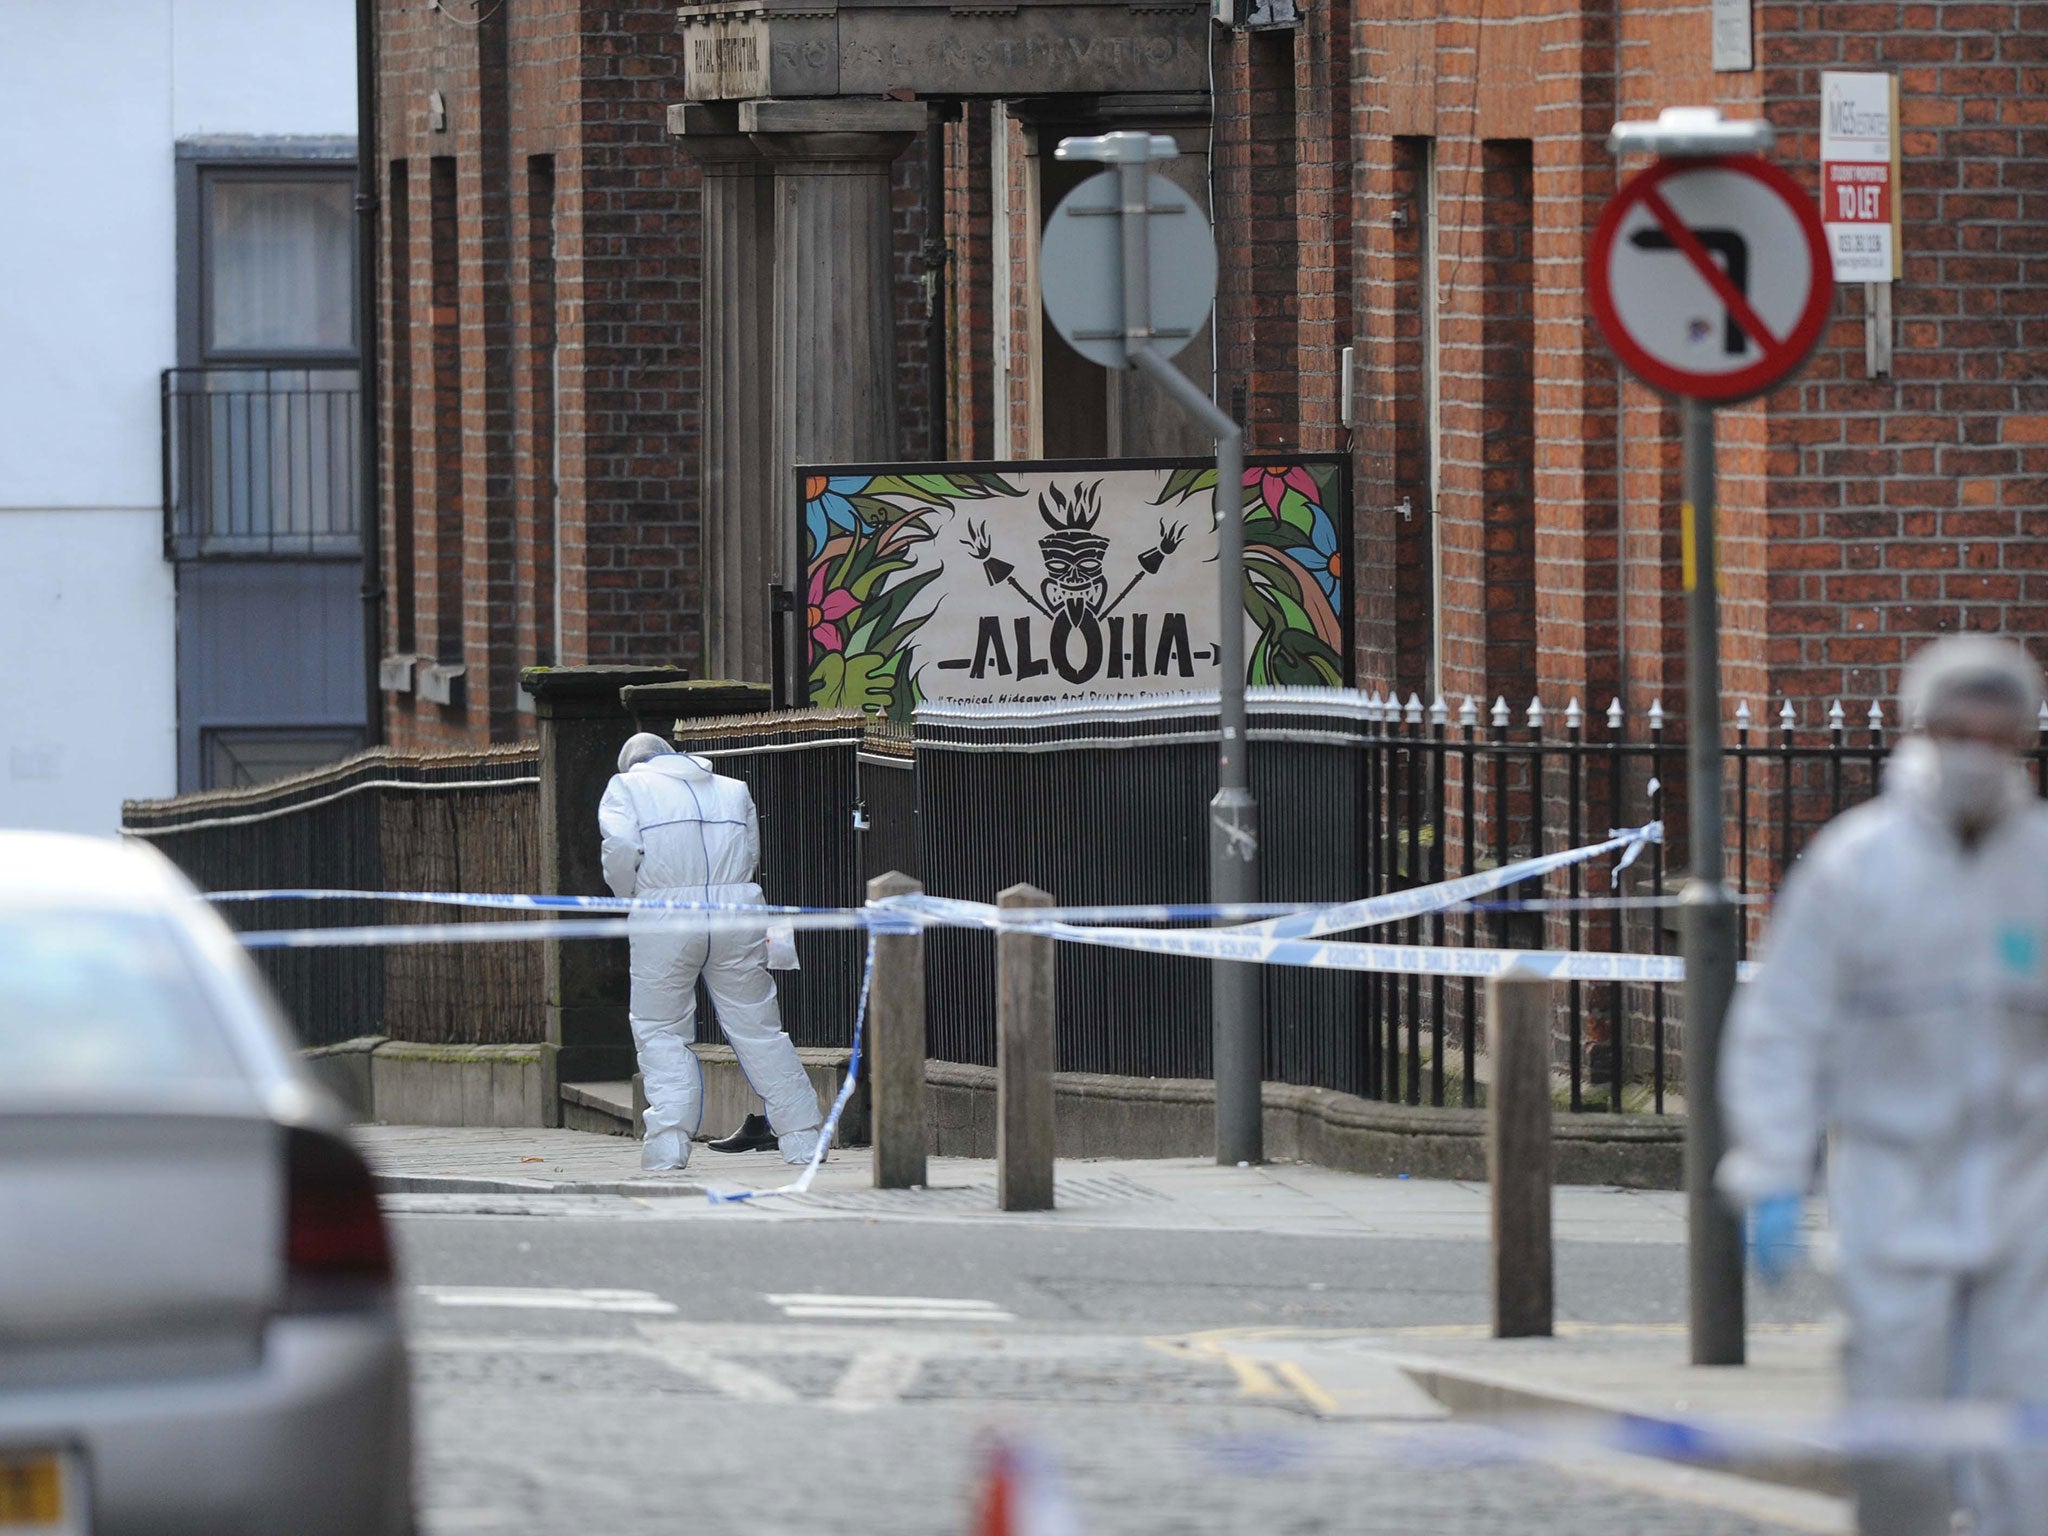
point(279, 264)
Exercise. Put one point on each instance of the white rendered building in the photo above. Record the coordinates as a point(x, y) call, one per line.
point(178, 181)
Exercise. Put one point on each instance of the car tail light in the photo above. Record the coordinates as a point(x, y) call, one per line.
point(334, 1231)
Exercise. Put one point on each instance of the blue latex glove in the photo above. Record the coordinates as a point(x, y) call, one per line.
point(1777, 1237)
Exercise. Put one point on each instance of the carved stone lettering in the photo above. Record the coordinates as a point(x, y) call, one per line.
point(727, 59)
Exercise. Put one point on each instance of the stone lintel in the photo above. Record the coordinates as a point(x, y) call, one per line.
point(834, 115)
point(657, 706)
point(704, 119)
point(589, 693)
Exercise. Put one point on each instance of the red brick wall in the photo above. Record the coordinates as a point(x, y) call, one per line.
point(396, 491)
point(1394, 314)
point(913, 298)
point(1506, 428)
point(1861, 516)
point(1258, 301)
point(970, 299)
point(601, 339)
point(1019, 315)
point(1915, 506)
point(440, 600)
point(535, 448)
point(639, 417)
point(1322, 217)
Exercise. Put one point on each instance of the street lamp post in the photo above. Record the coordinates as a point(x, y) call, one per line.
point(1238, 1038)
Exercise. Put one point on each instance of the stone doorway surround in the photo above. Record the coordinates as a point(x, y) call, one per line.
point(795, 112)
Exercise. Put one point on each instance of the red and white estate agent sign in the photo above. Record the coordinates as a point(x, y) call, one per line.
point(1859, 174)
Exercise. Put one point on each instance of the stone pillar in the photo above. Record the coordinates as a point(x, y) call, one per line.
point(743, 503)
point(834, 329)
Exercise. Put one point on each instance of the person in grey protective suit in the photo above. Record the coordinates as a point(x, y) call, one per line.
point(673, 828)
point(1903, 1008)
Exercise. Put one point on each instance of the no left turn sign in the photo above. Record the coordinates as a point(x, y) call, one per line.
point(1711, 278)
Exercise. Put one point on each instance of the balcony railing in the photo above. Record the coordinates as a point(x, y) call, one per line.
point(260, 462)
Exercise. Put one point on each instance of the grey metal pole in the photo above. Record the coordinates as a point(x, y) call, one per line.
point(1714, 1231)
point(1238, 1031)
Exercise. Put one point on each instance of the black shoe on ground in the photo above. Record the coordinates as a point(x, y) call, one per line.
point(752, 1136)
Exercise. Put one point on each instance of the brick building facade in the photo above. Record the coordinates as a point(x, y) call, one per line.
point(1420, 179)
point(541, 317)
point(1414, 179)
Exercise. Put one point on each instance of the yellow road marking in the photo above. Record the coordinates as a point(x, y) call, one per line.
point(1253, 1379)
point(1306, 1387)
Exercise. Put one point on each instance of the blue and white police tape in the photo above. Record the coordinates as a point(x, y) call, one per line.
point(830, 1129)
point(1876, 1431)
point(1419, 900)
point(513, 901)
point(1195, 943)
point(1151, 912)
point(1293, 920)
point(1334, 955)
point(666, 918)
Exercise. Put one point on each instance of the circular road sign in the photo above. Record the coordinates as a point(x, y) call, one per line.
point(1081, 266)
point(1710, 278)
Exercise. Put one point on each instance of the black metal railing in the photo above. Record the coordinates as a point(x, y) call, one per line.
point(260, 462)
point(1101, 802)
point(1105, 802)
point(378, 821)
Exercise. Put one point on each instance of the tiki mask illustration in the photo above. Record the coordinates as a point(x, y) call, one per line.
point(1073, 553)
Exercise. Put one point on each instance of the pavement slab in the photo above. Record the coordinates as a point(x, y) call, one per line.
point(1182, 1193)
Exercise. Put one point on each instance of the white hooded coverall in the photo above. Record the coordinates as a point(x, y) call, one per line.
point(1904, 1006)
point(672, 828)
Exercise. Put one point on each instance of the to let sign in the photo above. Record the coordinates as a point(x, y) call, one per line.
point(1859, 175)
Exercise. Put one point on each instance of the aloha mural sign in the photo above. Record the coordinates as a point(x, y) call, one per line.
point(1063, 580)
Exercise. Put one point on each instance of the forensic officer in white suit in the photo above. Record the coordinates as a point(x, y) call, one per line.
point(674, 829)
point(1903, 1007)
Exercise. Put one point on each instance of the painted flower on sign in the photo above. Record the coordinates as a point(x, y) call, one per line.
point(828, 504)
point(1293, 568)
point(1320, 558)
point(825, 611)
point(1273, 483)
point(864, 605)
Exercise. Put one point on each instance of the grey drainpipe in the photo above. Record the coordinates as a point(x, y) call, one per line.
point(369, 492)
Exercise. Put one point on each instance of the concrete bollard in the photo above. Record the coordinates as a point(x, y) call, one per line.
point(1518, 1156)
point(1026, 1032)
point(896, 1046)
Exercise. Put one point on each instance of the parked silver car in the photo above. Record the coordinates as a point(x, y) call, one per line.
point(198, 1331)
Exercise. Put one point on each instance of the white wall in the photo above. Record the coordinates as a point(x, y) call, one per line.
point(263, 66)
point(85, 626)
point(94, 95)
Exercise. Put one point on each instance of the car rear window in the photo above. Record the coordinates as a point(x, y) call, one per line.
point(99, 999)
